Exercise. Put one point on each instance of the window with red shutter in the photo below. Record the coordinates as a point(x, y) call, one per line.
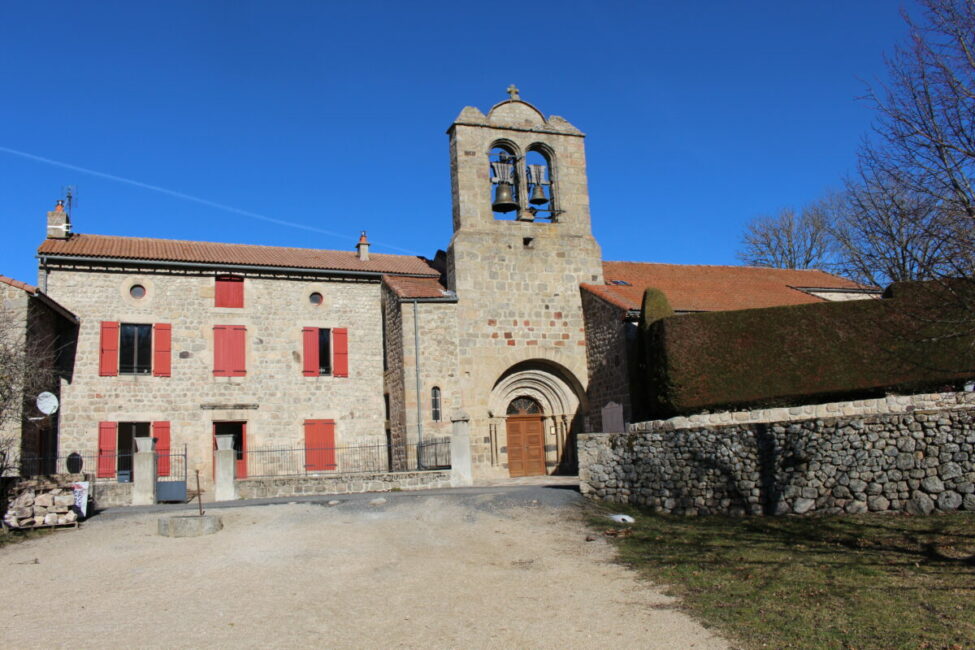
point(229, 291)
point(316, 345)
point(162, 346)
point(319, 445)
point(108, 355)
point(229, 350)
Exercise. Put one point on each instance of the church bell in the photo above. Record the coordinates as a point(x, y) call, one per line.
point(538, 196)
point(504, 200)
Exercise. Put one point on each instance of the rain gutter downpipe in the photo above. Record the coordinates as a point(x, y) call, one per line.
point(419, 396)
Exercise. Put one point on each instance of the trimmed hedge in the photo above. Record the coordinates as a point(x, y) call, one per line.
point(919, 337)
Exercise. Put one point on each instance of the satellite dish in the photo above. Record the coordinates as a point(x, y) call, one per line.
point(47, 403)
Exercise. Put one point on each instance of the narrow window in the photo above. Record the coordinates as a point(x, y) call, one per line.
point(324, 351)
point(229, 291)
point(503, 165)
point(435, 404)
point(135, 349)
point(541, 185)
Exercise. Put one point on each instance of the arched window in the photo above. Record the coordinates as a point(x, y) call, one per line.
point(505, 180)
point(541, 183)
point(435, 409)
point(524, 406)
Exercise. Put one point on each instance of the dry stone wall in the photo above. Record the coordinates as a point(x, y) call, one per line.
point(918, 462)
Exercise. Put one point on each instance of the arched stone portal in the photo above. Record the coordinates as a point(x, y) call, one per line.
point(558, 397)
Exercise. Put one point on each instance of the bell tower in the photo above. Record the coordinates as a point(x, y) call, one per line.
point(522, 245)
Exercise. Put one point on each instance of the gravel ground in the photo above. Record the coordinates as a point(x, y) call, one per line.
point(432, 571)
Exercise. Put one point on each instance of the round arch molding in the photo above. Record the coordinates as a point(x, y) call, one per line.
point(560, 396)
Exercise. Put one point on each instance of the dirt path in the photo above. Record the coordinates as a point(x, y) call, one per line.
point(420, 574)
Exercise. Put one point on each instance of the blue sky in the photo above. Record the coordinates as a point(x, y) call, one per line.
point(700, 114)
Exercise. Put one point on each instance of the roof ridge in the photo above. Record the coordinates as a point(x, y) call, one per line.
point(720, 266)
point(218, 243)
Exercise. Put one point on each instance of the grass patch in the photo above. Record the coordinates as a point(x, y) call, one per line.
point(869, 581)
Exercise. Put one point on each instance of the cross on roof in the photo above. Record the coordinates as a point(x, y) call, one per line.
point(513, 92)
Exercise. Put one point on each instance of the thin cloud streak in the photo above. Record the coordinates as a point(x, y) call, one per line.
point(189, 197)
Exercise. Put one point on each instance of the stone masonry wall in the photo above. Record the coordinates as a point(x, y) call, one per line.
point(916, 461)
point(393, 380)
point(517, 281)
point(606, 345)
point(289, 486)
point(274, 398)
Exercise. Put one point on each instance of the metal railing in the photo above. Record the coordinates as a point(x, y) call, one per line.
point(113, 467)
point(298, 460)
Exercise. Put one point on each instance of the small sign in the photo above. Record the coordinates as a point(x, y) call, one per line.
point(80, 490)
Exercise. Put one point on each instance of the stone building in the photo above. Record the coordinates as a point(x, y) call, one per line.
point(520, 326)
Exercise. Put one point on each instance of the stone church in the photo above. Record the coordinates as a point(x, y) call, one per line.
point(520, 327)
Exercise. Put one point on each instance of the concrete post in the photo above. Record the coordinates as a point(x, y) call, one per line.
point(225, 458)
point(144, 471)
point(460, 450)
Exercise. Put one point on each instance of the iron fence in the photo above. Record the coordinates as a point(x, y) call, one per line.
point(117, 467)
point(298, 460)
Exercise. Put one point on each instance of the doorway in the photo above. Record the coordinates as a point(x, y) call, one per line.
point(239, 431)
point(526, 438)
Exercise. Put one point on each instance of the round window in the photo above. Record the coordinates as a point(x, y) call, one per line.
point(137, 291)
point(315, 298)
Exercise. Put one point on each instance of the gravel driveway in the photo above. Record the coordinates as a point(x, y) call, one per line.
point(445, 571)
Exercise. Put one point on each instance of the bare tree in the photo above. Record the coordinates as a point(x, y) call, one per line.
point(788, 240)
point(27, 366)
point(884, 230)
point(908, 212)
point(926, 126)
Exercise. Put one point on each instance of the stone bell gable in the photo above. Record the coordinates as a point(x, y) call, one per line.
point(522, 245)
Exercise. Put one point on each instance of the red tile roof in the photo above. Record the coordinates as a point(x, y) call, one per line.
point(29, 288)
point(713, 288)
point(407, 287)
point(169, 250)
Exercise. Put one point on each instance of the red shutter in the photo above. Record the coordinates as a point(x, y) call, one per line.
point(309, 337)
point(229, 350)
point(162, 347)
point(319, 445)
point(107, 444)
point(220, 351)
point(160, 431)
point(108, 358)
point(340, 352)
point(238, 351)
point(229, 292)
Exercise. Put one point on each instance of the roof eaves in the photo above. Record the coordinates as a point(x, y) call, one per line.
point(131, 261)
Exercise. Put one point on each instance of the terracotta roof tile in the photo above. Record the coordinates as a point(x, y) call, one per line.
point(29, 288)
point(169, 250)
point(713, 288)
point(407, 287)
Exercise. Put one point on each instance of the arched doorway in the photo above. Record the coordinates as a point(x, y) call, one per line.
point(526, 438)
point(557, 399)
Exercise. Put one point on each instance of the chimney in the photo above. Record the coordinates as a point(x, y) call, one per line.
point(58, 222)
point(363, 247)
